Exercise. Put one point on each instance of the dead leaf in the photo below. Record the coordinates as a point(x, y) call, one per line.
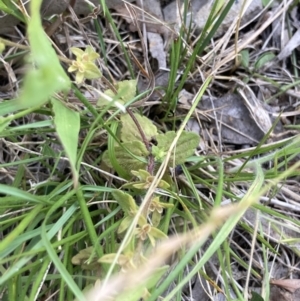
point(293, 43)
point(278, 294)
point(256, 109)
point(289, 284)
point(233, 119)
point(156, 47)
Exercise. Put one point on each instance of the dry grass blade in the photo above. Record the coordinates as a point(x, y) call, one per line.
point(132, 279)
point(258, 113)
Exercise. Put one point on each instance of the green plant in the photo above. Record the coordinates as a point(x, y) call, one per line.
point(119, 219)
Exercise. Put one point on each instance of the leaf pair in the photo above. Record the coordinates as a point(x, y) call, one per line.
point(132, 154)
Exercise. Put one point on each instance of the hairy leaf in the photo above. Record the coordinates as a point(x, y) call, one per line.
point(138, 159)
point(184, 148)
point(129, 131)
point(134, 158)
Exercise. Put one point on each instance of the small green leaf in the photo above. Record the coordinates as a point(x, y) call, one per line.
point(92, 71)
point(145, 180)
point(185, 146)
point(256, 297)
point(141, 186)
point(155, 218)
point(125, 224)
point(129, 131)
point(158, 233)
point(142, 174)
point(158, 153)
point(67, 124)
point(86, 259)
point(163, 184)
point(263, 59)
point(126, 201)
point(2, 47)
point(108, 258)
point(244, 58)
point(82, 256)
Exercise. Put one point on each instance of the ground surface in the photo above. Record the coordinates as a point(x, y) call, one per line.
point(237, 90)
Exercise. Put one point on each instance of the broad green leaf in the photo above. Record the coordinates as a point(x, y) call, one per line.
point(102, 101)
point(46, 75)
point(136, 159)
point(111, 99)
point(127, 89)
point(184, 148)
point(106, 160)
point(129, 131)
point(67, 124)
point(263, 59)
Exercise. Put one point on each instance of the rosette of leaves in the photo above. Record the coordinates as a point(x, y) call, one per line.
point(132, 153)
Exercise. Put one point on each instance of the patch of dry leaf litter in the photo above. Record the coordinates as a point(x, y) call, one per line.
point(231, 116)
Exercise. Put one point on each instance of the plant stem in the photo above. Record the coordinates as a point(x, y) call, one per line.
point(150, 167)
